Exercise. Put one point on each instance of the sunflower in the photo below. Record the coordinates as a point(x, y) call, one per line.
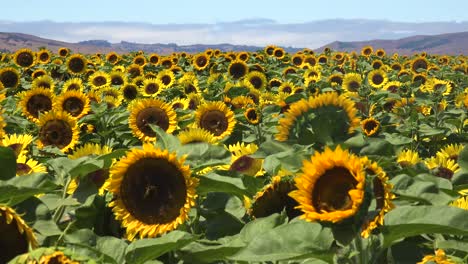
point(17, 142)
point(237, 69)
point(269, 49)
point(352, 82)
point(73, 102)
point(331, 186)
point(26, 166)
point(451, 151)
point(135, 70)
point(380, 53)
point(370, 126)
point(166, 62)
point(139, 60)
point(408, 158)
point(242, 162)
point(38, 72)
point(201, 61)
point(243, 56)
point(286, 87)
point(73, 84)
point(196, 135)
point(36, 100)
point(44, 81)
point(377, 78)
point(194, 100)
point(301, 107)
point(419, 64)
point(252, 116)
point(315, 72)
point(323, 59)
point(420, 77)
point(289, 71)
point(2, 125)
point(117, 78)
point(43, 56)
point(76, 64)
point(297, 59)
point(279, 53)
point(274, 198)
point(180, 103)
point(153, 191)
point(99, 79)
point(151, 111)
point(215, 117)
point(58, 129)
point(461, 202)
point(439, 258)
point(382, 194)
point(151, 87)
point(129, 91)
point(113, 57)
point(63, 52)
point(241, 101)
point(442, 166)
point(55, 257)
point(274, 82)
point(98, 177)
point(367, 51)
point(10, 77)
point(437, 86)
point(154, 58)
point(24, 58)
point(167, 78)
point(393, 86)
point(16, 236)
point(255, 80)
point(190, 86)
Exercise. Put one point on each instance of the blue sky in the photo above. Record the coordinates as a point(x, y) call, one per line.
point(212, 11)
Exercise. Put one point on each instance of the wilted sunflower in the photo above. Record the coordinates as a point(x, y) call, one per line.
point(352, 82)
point(17, 142)
point(151, 111)
point(24, 58)
point(237, 69)
point(215, 117)
point(151, 87)
point(57, 129)
point(201, 61)
point(75, 103)
point(274, 198)
point(153, 191)
point(331, 186)
point(377, 78)
point(255, 80)
point(129, 91)
point(383, 196)
point(242, 162)
point(97, 177)
point(252, 116)
point(76, 64)
point(16, 236)
point(10, 77)
point(35, 101)
point(99, 79)
point(408, 158)
point(442, 166)
point(370, 126)
point(196, 135)
point(43, 56)
point(25, 166)
point(44, 81)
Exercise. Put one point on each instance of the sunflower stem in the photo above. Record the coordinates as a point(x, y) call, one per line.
point(57, 243)
point(362, 252)
point(61, 209)
point(259, 133)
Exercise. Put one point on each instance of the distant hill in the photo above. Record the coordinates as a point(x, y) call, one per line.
point(14, 41)
point(452, 43)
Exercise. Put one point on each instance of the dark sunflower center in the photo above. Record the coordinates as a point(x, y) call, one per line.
point(353, 86)
point(278, 53)
point(367, 51)
point(286, 89)
point(388, 106)
point(38, 103)
point(392, 88)
point(243, 57)
point(201, 61)
point(336, 79)
point(12, 242)
point(297, 60)
point(275, 200)
point(252, 115)
point(98, 177)
point(377, 79)
point(44, 56)
point(151, 88)
point(9, 79)
point(152, 115)
point(379, 193)
point(16, 147)
point(73, 86)
point(166, 79)
point(99, 80)
point(377, 65)
point(130, 92)
point(134, 72)
point(73, 105)
point(139, 61)
point(269, 51)
point(112, 58)
point(330, 192)
point(420, 78)
point(154, 59)
point(275, 83)
point(22, 168)
point(190, 88)
point(370, 125)
point(117, 80)
point(419, 64)
point(256, 82)
point(76, 65)
point(57, 133)
point(214, 121)
point(63, 52)
point(153, 190)
point(166, 63)
point(241, 164)
point(25, 59)
point(237, 70)
point(445, 173)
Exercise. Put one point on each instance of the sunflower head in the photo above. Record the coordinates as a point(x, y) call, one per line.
point(196, 135)
point(63, 52)
point(75, 103)
point(43, 56)
point(252, 116)
point(370, 126)
point(17, 142)
point(153, 191)
point(129, 91)
point(242, 162)
point(9, 77)
point(73, 84)
point(216, 118)
point(151, 87)
point(201, 61)
point(99, 79)
point(35, 101)
point(24, 58)
point(237, 69)
point(331, 186)
point(408, 158)
point(167, 78)
point(76, 64)
point(377, 78)
point(57, 128)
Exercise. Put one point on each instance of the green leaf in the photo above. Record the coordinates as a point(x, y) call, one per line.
point(397, 139)
point(112, 247)
point(143, 250)
point(202, 155)
point(261, 225)
point(86, 166)
point(7, 163)
point(452, 244)
point(165, 140)
point(21, 188)
point(407, 221)
point(463, 158)
point(208, 251)
point(296, 240)
point(47, 228)
point(214, 182)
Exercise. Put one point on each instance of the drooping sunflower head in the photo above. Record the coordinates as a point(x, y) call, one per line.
point(237, 69)
point(149, 111)
point(76, 64)
point(24, 58)
point(35, 101)
point(153, 191)
point(408, 158)
point(16, 236)
point(57, 128)
point(370, 126)
point(451, 151)
point(75, 103)
point(196, 135)
point(215, 117)
point(17, 142)
point(25, 166)
point(442, 166)
point(331, 186)
point(377, 78)
point(10, 77)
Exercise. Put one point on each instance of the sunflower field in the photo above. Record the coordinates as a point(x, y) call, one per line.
point(233, 157)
